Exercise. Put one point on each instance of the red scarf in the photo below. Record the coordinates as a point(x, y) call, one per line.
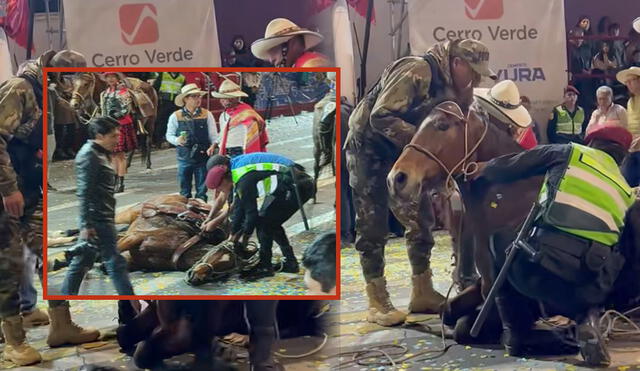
point(311, 59)
point(256, 139)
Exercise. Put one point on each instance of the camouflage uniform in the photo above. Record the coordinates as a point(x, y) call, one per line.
point(381, 125)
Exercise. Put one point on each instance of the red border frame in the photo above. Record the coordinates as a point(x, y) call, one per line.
point(192, 297)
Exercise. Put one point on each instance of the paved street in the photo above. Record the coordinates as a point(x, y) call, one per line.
point(287, 138)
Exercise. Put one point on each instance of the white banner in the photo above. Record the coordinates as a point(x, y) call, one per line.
point(5, 57)
point(343, 46)
point(147, 33)
point(526, 41)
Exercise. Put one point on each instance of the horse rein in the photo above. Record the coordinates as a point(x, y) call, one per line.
point(467, 168)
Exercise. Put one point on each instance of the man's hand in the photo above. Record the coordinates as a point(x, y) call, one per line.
point(14, 204)
point(181, 140)
point(211, 150)
point(87, 234)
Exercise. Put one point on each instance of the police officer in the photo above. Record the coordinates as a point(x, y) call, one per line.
point(576, 258)
point(379, 128)
point(267, 175)
point(168, 85)
point(21, 211)
point(568, 120)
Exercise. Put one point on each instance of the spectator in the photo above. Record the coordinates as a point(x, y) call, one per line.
point(617, 46)
point(608, 112)
point(635, 59)
point(631, 45)
point(603, 25)
point(526, 103)
point(168, 85)
point(567, 120)
point(192, 129)
point(584, 22)
point(580, 52)
point(242, 56)
point(116, 102)
point(603, 60)
point(631, 167)
point(319, 259)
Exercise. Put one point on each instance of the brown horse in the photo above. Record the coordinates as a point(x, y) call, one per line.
point(446, 145)
point(87, 87)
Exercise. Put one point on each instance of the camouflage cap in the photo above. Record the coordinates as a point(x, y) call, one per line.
point(67, 58)
point(474, 52)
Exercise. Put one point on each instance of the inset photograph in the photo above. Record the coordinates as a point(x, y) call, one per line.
point(191, 183)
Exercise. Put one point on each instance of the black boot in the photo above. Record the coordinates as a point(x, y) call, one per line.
point(519, 337)
point(263, 269)
point(261, 348)
point(592, 345)
point(120, 185)
point(289, 262)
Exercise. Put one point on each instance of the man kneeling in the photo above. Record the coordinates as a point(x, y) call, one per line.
point(254, 176)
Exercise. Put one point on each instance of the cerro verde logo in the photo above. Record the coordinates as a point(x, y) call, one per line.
point(483, 9)
point(138, 24)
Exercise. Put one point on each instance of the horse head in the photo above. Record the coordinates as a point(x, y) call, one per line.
point(444, 146)
point(83, 87)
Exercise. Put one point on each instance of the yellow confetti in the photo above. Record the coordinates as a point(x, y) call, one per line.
point(467, 347)
point(493, 204)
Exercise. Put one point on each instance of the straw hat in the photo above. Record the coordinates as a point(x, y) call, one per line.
point(188, 89)
point(229, 89)
point(279, 31)
point(636, 24)
point(103, 76)
point(625, 75)
point(503, 101)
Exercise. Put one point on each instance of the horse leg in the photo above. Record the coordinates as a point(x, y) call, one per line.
point(148, 150)
point(137, 329)
point(129, 158)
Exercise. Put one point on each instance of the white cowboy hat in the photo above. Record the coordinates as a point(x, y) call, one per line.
point(636, 24)
point(229, 89)
point(503, 101)
point(624, 75)
point(189, 89)
point(279, 31)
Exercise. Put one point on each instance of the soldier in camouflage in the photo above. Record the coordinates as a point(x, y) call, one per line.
point(21, 210)
point(379, 128)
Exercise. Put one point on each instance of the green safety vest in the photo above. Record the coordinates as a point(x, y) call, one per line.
point(265, 186)
point(592, 198)
point(567, 125)
point(170, 85)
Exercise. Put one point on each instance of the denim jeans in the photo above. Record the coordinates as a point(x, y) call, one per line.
point(28, 293)
point(106, 243)
point(187, 172)
point(631, 169)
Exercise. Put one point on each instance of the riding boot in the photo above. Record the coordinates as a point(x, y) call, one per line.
point(17, 350)
point(64, 331)
point(592, 345)
point(289, 261)
point(381, 310)
point(120, 185)
point(263, 269)
point(262, 340)
point(424, 298)
point(519, 337)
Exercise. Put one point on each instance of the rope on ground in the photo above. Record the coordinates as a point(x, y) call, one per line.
point(382, 357)
point(307, 354)
point(609, 329)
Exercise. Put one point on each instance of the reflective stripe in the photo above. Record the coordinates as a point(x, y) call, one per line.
point(565, 124)
point(598, 182)
point(267, 186)
point(238, 173)
point(587, 207)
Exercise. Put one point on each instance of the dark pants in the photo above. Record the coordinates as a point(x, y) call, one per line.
point(106, 243)
point(368, 179)
point(189, 172)
point(631, 169)
point(165, 109)
point(65, 138)
point(270, 220)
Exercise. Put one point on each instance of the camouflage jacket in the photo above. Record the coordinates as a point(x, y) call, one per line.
point(18, 117)
point(388, 116)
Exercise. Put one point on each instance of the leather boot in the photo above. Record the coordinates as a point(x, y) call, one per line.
point(64, 331)
point(519, 337)
point(17, 350)
point(34, 318)
point(381, 310)
point(261, 344)
point(120, 185)
point(592, 345)
point(289, 262)
point(424, 298)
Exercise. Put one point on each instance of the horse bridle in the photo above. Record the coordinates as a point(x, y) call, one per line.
point(81, 99)
point(467, 168)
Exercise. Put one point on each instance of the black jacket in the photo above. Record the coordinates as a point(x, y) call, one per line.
point(95, 180)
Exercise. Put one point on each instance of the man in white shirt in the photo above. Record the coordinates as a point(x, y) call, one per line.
point(607, 112)
point(192, 129)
